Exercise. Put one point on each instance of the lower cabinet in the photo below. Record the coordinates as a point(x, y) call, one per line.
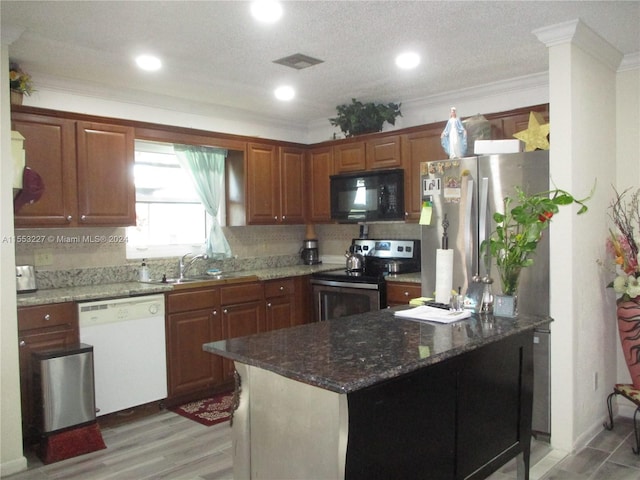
point(400, 293)
point(196, 316)
point(193, 318)
point(41, 328)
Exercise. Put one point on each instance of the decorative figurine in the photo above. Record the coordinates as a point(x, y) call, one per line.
point(454, 136)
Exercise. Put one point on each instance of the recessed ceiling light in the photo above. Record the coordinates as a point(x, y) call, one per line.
point(408, 60)
point(285, 93)
point(267, 11)
point(148, 63)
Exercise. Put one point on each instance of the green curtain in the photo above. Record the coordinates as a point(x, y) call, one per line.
point(205, 166)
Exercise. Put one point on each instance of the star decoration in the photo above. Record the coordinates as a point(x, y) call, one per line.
point(535, 136)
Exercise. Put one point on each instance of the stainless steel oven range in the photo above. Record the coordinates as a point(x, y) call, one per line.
point(339, 293)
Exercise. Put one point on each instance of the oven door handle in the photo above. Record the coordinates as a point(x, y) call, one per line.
point(342, 284)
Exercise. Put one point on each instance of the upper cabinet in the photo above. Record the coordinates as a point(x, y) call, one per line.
point(319, 171)
point(378, 152)
point(86, 168)
point(275, 184)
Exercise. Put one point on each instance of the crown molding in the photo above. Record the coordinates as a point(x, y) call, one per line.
point(579, 34)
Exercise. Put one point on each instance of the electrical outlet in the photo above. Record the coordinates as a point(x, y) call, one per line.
point(43, 259)
point(595, 381)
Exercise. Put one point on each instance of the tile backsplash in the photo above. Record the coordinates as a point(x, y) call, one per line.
point(73, 251)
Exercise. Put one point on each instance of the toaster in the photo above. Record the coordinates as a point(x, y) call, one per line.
point(25, 279)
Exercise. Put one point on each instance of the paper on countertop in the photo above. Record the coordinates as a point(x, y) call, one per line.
point(433, 314)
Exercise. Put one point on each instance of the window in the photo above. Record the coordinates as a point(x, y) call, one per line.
point(170, 220)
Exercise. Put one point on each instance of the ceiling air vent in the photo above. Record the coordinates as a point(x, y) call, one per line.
point(298, 61)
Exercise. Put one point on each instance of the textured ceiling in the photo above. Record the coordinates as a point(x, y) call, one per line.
point(214, 52)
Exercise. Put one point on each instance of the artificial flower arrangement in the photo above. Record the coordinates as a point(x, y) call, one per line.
point(622, 244)
point(20, 81)
point(519, 230)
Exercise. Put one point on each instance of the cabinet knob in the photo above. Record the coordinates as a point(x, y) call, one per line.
point(83, 218)
point(275, 218)
point(281, 288)
point(406, 294)
point(215, 312)
point(284, 217)
point(22, 343)
point(47, 317)
point(69, 218)
point(269, 305)
point(225, 311)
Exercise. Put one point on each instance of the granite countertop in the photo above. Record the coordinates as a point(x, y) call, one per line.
point(348, 354)
point(129, 289)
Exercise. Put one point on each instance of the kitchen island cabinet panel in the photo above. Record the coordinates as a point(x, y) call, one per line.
point(400, 293)
point(280, 303)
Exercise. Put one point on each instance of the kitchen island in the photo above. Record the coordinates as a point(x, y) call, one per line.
point(376, 396)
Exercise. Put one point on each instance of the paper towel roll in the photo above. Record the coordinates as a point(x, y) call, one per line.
point(444, 275)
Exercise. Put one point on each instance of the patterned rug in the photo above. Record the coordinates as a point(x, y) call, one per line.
point(208, 411)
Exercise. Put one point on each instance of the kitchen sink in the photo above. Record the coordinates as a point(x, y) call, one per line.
point(202, 278)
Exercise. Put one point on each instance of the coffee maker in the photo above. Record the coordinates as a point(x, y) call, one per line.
point(309, 252)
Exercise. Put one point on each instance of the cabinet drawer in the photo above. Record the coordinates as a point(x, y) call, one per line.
point(279, 288)
point(402, 292)
point(193, 300)
point(52, 315)
point(241, 293)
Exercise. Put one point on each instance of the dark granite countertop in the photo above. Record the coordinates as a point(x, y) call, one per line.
point(348, 354)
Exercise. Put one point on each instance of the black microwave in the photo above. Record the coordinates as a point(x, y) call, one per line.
point(368, 196)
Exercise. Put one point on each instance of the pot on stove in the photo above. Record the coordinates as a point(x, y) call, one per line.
point(355, 261)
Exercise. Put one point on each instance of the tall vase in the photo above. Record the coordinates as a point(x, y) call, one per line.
point(506, 304)
point(16, 97)
point(629, 329)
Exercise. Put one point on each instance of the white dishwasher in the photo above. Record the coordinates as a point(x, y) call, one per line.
point(129, 352)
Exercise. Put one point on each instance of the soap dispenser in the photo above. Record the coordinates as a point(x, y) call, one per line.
point(144, 272)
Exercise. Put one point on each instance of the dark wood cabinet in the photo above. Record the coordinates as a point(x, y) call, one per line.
point(243, 313)
point(399, 293)
point(417, 147)
point(87, 170)
point(275, 179)
point(319, 170)
point(280, 301)
point(41, 328)
point(193, 319)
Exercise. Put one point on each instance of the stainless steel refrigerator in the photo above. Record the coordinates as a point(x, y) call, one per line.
point(468, 191)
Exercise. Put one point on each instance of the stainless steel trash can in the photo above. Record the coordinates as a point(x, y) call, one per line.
point(64, 388)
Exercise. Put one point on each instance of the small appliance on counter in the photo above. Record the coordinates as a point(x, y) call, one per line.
point(25, 279)
point(309, 250)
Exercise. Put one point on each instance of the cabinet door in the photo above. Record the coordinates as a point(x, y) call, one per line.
point(106, 189)
point(50, 151)
point(418, 147)
point(349, 157)
point(383, 152)
point(320, 169)
point(263, 184)
point(292, 177)
point(191, 369)
point(280, 303)
point(238, 321)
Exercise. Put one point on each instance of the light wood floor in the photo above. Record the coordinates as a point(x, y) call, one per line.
point(168, 446)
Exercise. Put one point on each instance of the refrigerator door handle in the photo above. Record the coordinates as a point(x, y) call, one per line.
point(468, 229)
point(483, 211)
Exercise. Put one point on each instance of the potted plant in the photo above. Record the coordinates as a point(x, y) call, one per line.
point(518, 231)
point(19, 83)
point(357, 118)
point(622, 247)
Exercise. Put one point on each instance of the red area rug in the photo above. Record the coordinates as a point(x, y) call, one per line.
point(71, 443)
point(208, 411)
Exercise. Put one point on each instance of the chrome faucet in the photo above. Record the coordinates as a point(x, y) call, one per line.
point(183, 267)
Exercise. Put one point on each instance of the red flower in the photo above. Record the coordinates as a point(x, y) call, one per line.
point(543, 217)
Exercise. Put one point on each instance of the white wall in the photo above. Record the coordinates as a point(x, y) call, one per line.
point(11, 458)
